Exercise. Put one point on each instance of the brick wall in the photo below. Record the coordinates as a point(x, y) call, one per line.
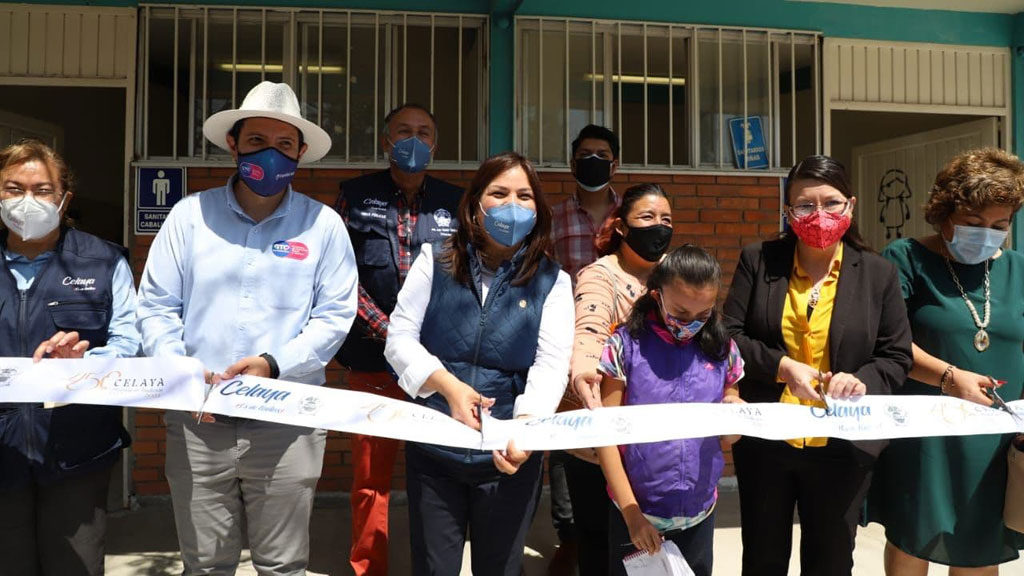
point(720, 213)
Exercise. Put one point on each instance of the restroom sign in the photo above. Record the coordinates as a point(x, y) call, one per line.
point(157, 190)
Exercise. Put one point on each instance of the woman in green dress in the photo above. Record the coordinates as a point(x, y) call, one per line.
point(941, 499)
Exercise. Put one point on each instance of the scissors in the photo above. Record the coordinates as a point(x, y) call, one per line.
point(998, 400)
point(199, 415)
point(821, 389)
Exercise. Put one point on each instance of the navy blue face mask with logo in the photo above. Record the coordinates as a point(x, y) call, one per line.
point(266, 172)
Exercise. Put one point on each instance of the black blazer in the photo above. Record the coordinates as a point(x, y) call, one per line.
point(869, 336)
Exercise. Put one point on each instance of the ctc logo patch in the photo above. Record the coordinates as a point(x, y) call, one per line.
point(251, 171)
point(290, 249)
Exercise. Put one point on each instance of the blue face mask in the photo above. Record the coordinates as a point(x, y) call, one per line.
point(410, 155)
point(974, 244)
point(510, 223)
point(266, 172)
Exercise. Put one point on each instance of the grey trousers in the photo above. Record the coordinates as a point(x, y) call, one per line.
point(237, 473)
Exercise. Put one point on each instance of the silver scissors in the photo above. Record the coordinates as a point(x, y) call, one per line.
point(821, 389)
point(998, 402)
point(199, 415)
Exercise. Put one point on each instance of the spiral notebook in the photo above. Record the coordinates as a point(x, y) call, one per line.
point(668, 561)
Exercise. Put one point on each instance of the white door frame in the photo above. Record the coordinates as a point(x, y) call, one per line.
point(864, 82)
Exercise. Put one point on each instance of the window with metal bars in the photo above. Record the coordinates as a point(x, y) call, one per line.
point(668, 90)
point(348, 68)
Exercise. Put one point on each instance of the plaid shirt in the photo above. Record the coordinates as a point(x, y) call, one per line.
point(369, 313)
point(573, 232)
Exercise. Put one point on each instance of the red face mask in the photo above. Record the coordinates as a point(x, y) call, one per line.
point(821, 229)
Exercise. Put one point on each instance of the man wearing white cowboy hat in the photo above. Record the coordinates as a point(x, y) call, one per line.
point(251, 278)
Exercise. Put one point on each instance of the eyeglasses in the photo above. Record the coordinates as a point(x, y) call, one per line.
point(42, 192)
point(830, 207)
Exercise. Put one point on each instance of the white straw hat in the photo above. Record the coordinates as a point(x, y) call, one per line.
point(270, 100)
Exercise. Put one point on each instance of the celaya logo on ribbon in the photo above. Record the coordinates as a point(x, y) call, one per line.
point(171, 384)
point(177, 384)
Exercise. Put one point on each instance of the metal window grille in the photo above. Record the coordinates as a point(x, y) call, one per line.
point(668, 91)
point(348, 68)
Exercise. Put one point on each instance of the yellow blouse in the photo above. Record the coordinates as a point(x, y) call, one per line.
point(807, 338)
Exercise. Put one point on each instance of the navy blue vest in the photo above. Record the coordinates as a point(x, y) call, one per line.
point(489, 345)
point(71, 292)
point(372, 216)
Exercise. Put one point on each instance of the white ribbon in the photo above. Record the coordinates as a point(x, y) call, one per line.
point(177, 384)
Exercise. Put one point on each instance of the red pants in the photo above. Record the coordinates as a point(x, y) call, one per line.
point(373, 466)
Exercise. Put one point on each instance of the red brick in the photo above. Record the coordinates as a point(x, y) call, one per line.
point(145, 447)
point(150, 488)
point(760, 216)
point(770, 180)
point(677, 190)
point(737, 179)
point(693, 178)
point(657, 178)
point(721, 216)
point(684, 216)
point(149, 460)
point(694, 229)
point(769, 203)
point(738, 203)
point(147, 475)
point(736, 229)
point(155, 433)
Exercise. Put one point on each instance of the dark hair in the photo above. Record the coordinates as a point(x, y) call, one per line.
point(236, 131)
point(470, 232)
point(826, 170)
point(974, 180)
point(598, 133)
point(409, 106)
point(695, 267)
point(608, 239)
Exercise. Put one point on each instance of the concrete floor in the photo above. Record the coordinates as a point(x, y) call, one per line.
point(143, 542)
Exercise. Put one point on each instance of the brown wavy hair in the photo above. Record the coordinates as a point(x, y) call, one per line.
point(471, 232)
point(974, 180)
point(32, 150)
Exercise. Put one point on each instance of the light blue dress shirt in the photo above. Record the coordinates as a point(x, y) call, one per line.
point(122, 337)
point(220, 287)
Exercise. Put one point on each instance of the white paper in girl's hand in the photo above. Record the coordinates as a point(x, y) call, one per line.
point(668, 561)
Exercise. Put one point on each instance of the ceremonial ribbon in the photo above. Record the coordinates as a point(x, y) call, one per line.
point(177, 384)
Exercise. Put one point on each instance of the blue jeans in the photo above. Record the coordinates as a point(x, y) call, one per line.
point(696, 543)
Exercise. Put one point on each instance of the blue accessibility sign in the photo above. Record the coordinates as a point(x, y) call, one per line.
point(748, 142)
point(157, 190)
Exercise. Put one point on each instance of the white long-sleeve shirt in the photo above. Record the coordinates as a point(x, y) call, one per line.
point(220, 287)
point(546, 378)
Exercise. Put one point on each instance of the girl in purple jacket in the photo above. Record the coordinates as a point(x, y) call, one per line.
point(672, 349)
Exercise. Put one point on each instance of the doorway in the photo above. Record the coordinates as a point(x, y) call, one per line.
point(87, 125)
point(892, 160)
point(87, 128)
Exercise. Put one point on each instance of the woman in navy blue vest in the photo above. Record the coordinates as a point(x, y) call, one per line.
point(483, 322)
point(63, 294)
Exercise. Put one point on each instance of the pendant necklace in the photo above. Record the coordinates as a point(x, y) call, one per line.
point(981, 340)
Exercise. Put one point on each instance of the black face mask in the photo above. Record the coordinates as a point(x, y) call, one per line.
point(593, 172)
point(649, 242)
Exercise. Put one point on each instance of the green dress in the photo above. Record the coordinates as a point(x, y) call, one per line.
point(941, 498)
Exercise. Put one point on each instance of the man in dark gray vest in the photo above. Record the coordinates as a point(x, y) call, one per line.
point(390, 214)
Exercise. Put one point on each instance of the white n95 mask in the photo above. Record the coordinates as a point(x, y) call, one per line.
point(30, 218)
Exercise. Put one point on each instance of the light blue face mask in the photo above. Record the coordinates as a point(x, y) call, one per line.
point(410, 154)
point(509, 224)
point(974, 244)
